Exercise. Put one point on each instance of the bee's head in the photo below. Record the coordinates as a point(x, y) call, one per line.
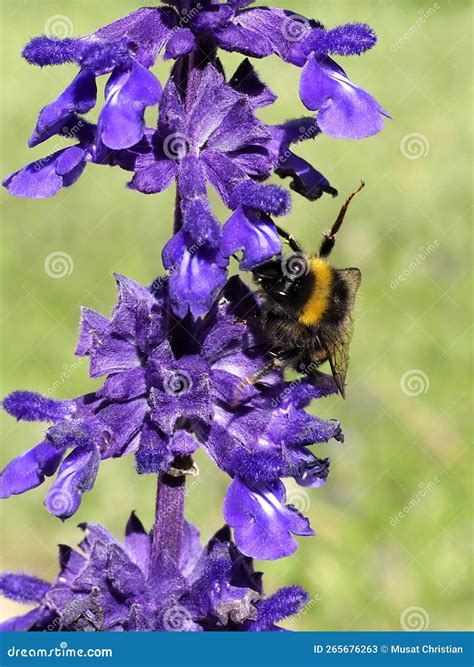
point(282, 277)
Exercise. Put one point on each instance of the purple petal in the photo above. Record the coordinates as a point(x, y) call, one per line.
point(41, 179)
point(154, 173)
point(306, 180)
point(124, 421)
point(29, 470)
point(172, 115)
point(249, 42)
point(77, 433)
point(344, 110)
point(135, 309)
point(148, 27)
point(262, 523)
point(75, 476)
point(111, 354)
point(181, 42)
point(223, 173)
point(137, 543)
point(79, 97)
point(246, 81)
point(196, 276)
point(251, 131)
point(198, 221)
point(252, 232)
point(190, 549)
point(92, 326)
point(209, 102)
point(30, 406)
point(153, 454)
point(124, 386)
point(23, 587)
point(128, 93)
point(36, 619)
point(212, 18)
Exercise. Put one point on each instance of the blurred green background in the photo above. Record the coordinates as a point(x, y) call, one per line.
point(394, 520)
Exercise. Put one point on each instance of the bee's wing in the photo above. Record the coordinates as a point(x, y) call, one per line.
point(337, 342)
point(337, 349)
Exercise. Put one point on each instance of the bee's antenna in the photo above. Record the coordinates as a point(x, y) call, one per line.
point(329, 240)
point(292, 242)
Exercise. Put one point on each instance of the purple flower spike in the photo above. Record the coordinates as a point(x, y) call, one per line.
point(263, 524)
point(111, 586)
point(172, 386)
point(344, 110)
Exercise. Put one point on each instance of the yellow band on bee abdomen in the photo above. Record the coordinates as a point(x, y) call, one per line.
point(318, 303)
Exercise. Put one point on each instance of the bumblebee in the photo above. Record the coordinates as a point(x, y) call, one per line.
point(307, 307)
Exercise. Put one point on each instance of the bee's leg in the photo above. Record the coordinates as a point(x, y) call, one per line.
point(278, 360)
point(292, 242)
point(329, 239)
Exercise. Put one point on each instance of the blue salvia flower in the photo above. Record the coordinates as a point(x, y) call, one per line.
point(169, 390)
point(112, 586)
point(207, 131)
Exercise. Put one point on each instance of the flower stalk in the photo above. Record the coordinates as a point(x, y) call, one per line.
point(169, 518)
